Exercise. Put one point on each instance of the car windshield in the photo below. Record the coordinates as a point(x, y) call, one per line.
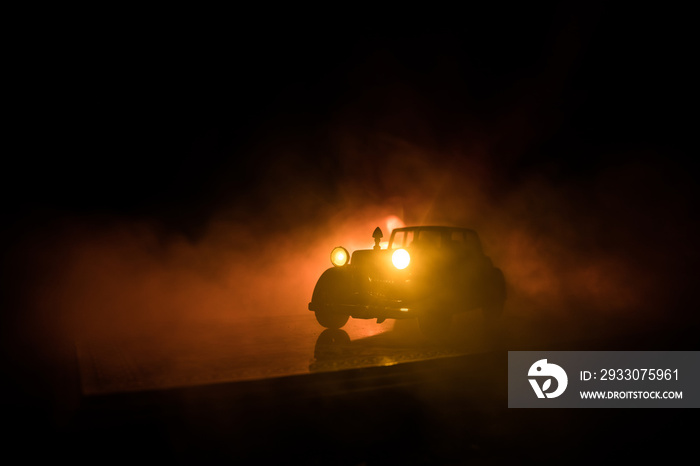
point(435, 238)
point(401, 239)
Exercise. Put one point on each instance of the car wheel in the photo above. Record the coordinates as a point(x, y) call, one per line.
point(496, 297)
point(331, 289)
point(331, 320)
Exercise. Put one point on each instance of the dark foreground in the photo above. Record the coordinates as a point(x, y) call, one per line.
point(358, 402)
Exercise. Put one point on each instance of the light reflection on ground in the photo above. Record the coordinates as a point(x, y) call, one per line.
point(170, 355)
point(181, 354)
point(194, 353)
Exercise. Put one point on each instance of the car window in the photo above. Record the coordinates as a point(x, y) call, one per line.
point(465, 240)
point(397, 239)
point(429, 238)
point(402, 239)
point(436, 238)
point(409, 238)
point(457, 235)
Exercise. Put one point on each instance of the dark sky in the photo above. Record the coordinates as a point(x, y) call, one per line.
point(166, 118)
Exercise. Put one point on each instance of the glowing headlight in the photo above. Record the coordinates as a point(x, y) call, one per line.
point(400, 259)
point(339, 256)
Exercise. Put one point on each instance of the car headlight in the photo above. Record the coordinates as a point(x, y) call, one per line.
point(401, 258)
point(339, 256)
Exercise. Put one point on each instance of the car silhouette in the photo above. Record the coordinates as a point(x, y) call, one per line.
point(427, 272)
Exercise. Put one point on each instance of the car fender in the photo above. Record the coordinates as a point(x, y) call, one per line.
point(334, 286)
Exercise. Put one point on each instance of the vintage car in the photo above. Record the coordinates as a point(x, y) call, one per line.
point(428, 272)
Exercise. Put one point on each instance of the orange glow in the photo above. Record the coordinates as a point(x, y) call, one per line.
point(339, 256)
point(393, 222)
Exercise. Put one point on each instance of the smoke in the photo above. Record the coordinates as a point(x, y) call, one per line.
point(572, 238)
point(561, 248)
point(122, 276)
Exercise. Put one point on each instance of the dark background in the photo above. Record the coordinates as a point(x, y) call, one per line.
point(161, 117)
point(173, 119)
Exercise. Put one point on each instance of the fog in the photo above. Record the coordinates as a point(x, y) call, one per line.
point(571, 180)
point(570, 249)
